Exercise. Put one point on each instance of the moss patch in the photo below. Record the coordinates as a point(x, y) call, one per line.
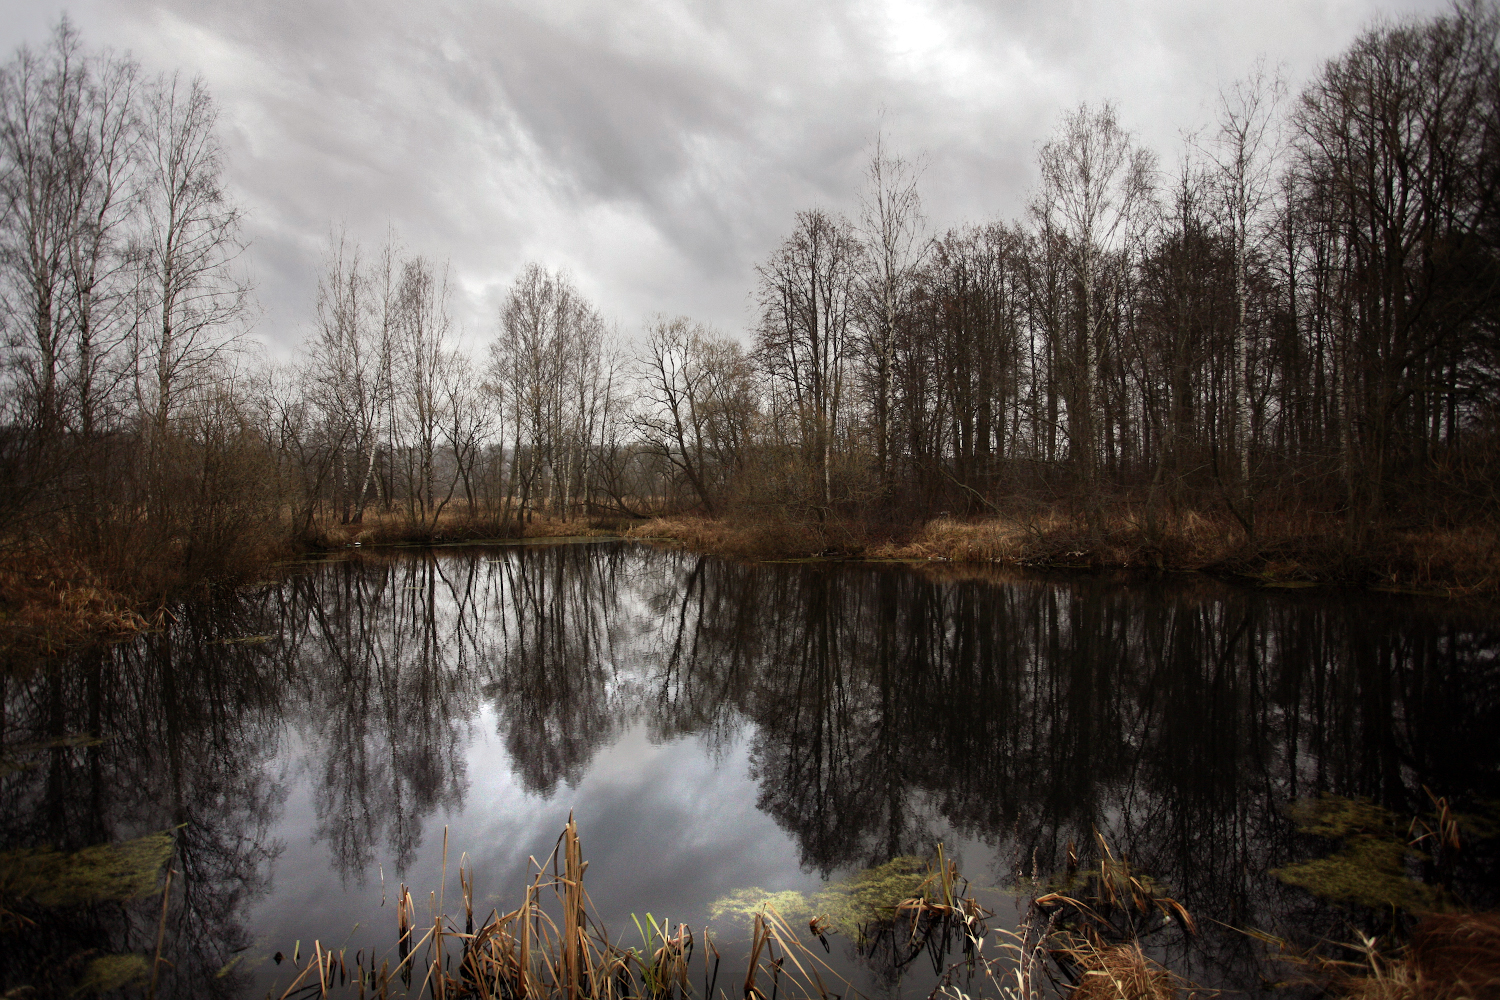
point(746, 903)
point(872, 894)
point(116, 872)
point(1369, 868)
point(111, 973)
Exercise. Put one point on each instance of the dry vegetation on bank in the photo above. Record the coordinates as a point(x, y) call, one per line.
point(47, 605)
point(1084, 942)
point(1287, 550)
point(456, 525)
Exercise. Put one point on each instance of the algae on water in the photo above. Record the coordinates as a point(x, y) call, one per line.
point(789, 903)
point(111, 973)
point(872, 894)
point(113, 872)
point(1369, 868)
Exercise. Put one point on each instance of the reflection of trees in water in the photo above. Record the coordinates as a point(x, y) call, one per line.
point(188, 725)
point(393, 655)
point(554, 679)
point(387, 653)
point(1178, 719)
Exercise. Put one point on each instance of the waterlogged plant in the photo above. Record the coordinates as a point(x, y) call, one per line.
point(663, 962)
point(553, 948)
point(1371, 866)
point(48, 878)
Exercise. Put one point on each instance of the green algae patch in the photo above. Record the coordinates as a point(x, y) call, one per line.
point(105, 872)
point(111, 973)
point(746, 903)
point(869, 895)
point(872, 894)
point(1369, 868)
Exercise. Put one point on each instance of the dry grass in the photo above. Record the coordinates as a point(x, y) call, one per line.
point(48, 604)
point(1289, 548)
point(552, 947)
point(739, 539)
point(454, 524)
point(1118, 972)
point(1452, 956)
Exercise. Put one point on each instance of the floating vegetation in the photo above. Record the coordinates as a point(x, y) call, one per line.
point(1370, 866)
point(112, 972)
point(105, 872)
point(750, 901)
point(10, 761)
point(868, 897)
point(873, 894)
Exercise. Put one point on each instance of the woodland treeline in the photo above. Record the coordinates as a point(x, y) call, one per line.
point(1299, 315)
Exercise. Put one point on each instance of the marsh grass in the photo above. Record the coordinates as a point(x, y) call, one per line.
point(1086, 935)
point(454, 524)
point(49, 603)
point(554, 947)
point(1289, 548)
point(1448, 956)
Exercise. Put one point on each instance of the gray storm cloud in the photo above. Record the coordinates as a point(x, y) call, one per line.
point(657, 150)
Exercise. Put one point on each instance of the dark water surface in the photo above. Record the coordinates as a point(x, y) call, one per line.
point(716, 726)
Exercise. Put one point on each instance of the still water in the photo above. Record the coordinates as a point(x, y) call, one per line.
point(714, 726)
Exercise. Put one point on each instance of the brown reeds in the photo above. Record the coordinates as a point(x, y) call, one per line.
point(552, 947)
point(50, 603)
point(1117, 972)
point(560, 951)
point(1448, 956)
point(1116, 894)
point(738, 539)
point(1289, 548)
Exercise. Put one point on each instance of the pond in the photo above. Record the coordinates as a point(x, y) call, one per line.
point(720, 732)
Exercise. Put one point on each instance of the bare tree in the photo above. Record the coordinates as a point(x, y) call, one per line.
point(558, 382)
point(807, 300)
point(891, 227)
point(1246, 147)
point(192, 303)
point(424, 329)
point(67, 139)
point(351, 359)
point(1396, 142)
point(691, 411)
point(1096, 184)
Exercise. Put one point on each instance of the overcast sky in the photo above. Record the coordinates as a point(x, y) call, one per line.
point(658, 151)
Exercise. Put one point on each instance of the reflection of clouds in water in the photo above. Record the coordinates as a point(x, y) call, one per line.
point(716, 725)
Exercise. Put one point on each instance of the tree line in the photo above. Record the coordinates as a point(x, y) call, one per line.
point(1300, 314)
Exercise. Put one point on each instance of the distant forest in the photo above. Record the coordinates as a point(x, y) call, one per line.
point(1301, 316)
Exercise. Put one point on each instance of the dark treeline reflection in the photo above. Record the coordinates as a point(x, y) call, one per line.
point(1177, 718)
point(884, 709)
point(186, 723)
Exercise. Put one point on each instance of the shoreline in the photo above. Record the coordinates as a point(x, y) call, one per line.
point(49, 605)
point(1457, 566)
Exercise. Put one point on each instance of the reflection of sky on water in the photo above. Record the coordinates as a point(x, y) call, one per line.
point(667, 828)
point(715, 726)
